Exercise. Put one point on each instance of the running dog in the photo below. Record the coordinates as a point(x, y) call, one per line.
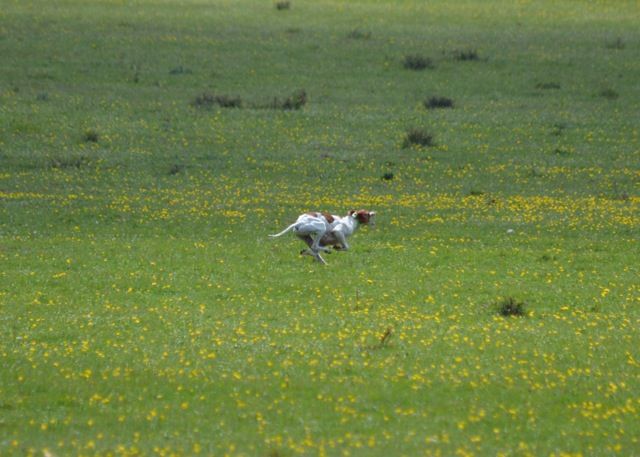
point(319, 230)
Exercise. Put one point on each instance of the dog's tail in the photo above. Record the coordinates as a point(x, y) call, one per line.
point(288, 229)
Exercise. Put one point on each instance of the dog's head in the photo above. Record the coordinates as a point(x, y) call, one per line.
point(364, 217)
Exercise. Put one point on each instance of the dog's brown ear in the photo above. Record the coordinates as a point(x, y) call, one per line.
point(352, 212)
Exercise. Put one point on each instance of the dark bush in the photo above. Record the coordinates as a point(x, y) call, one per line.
point(180, 70)
point(438, 102)
point(294, 102)
point(511, 307)
point(558, 128)
point(466, 55)
point(417, 62)
point(283, 5)
point(609, 94)
point(91, 136)
point(358, 35)
point(561, 151)
point(208, 101)
point(616, 44)
point(175, 169)
point(548, 85)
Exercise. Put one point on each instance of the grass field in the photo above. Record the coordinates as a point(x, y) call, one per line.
point(144, 310)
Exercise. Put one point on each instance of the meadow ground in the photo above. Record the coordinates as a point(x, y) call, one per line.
point(148, 147)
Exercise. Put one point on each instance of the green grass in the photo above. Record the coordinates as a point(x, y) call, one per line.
point(144, 311)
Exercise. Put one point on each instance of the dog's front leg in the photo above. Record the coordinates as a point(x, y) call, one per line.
point(341, 239)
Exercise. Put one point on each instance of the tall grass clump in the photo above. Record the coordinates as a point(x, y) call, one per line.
point(358, 34)
point(207, 100)
point(466, 55)
point(417, 62)
point(609, 94)
point(438, 102)
point(548, 85)
point(510, 307)
point(417, 137)
point(91, 136)
point(294, 102)
point(618, 44)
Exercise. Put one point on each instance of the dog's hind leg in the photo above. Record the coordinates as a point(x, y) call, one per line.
point(310, 251)
point(316, 246)
point(309, 241)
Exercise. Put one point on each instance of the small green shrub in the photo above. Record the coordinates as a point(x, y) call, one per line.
point(358, 34)
point(294, 102)
point(283, 5)
point(466, 55)
point(175, 169)
point(180, 70)
point(558, 128)
point(91, 136)
point(417, 137)
point(560, 151)
point(547, 85)
point(609, 94)
point(208, 101)
point(438, 102)
point(417, 62)
point(510, 307)
point(66, 163)
point(616, 44)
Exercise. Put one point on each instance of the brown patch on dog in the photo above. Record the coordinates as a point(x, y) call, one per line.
point(324, 214)
point(328, 217)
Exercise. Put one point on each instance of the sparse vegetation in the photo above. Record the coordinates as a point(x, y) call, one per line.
point(145, 311)
point(69, 162)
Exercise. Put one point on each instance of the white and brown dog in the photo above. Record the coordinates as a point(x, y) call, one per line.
point(320, 230)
